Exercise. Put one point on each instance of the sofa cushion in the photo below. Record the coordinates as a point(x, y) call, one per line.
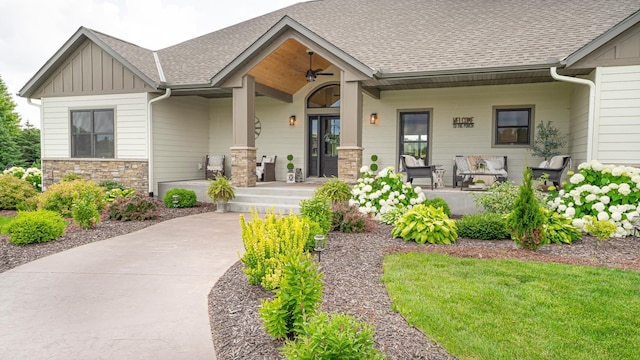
point(410, 160)
point(544, 164)
point(556, 162)
point(462, 164)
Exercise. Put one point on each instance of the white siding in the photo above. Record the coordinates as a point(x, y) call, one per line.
point(551, 102)
point(579, 123)
point(130, 123)
point(617, 120)
point(180, 138)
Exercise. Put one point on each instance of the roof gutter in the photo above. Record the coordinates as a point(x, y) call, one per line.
point(150, 136)
point(592, 104)
point(453, 72)
point(39, 106)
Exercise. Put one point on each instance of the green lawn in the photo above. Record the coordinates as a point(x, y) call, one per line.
point(503, 309)
point(4, 220)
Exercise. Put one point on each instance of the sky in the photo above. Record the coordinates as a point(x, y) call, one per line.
point(31, 31)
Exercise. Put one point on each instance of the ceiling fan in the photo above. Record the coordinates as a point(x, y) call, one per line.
point(312, 74)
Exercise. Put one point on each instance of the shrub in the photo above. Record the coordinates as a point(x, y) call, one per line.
point(601, 229)
point(14, 192)
point(334, 190)
point(116, 193)
point(134, 207)
point(35, 227)
point(439, 203)
point(186, 198)
point(31, 175)
point(60, 197)
point(559, 229)
point(71, 177)
point(526, 221)
point(85, 213)
point(333, 336)
point(424, 224)
point(379, 194)
point(317, 209)
point(501, 196)
point(485, 226)
point(297, 299)
point(110, 185)
point(374, 166)
point(391, 217)
point(602, 192)
point(347, 218)
point(267, 241)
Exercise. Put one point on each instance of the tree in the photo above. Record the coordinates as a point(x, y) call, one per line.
point(29, 145)
point(9, 129)
point(548, 140)
point(526, 221)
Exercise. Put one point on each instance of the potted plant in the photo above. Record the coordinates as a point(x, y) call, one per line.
point(548, 141)
point(291, 177)
point(221, 191)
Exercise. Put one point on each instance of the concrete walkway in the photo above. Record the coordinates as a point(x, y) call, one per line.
point(138, 296)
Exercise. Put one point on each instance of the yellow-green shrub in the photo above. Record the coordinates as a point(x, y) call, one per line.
point(35, 227)
point(60, 197)
point(14, 192)
point(267, 242)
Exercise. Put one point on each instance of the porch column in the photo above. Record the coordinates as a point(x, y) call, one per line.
point(243, 151)
point(350, 149)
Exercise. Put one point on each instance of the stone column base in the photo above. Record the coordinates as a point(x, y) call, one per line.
point(243, 166)
point(349, 163)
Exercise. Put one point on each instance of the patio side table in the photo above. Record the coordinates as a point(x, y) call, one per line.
point(439, 177)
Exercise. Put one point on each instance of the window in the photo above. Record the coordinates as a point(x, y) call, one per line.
point(92, 134)
point(513, 125)
point(325, 97)
point(414, 134)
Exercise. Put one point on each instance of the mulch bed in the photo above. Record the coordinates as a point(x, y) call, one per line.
point(352, 264)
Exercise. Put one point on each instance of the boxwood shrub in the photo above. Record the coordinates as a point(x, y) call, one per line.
point(186, 198)
point(14, 192)
point(35, 227)
point(485, 226)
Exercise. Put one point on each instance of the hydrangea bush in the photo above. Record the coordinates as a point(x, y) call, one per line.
point(380, 194)
point(600, 192)
point(31, 175)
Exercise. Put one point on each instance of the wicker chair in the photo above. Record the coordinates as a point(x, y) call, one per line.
point(417, 171)
point(266, 169)
point(554, 168)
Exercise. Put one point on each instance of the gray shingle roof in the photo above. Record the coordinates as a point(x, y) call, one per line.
point(400, 36)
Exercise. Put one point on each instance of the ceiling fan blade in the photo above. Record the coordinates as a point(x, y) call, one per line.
point(321, 73)
point(317, 70)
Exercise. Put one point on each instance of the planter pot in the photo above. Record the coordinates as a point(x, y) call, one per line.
point(291, 177)
point(221, 206)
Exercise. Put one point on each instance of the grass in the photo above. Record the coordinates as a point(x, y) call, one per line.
point(505, 309)
point(4, 220)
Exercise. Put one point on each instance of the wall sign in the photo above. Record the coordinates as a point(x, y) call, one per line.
point(463, 122)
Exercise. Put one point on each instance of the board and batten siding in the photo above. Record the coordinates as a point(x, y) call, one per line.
point(130, 119)
point(617, 118)
point(551, 101)
point(180, 138)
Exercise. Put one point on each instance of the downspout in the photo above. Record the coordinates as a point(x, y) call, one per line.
point(592, 105)
point(150, 136)
point(39, 106)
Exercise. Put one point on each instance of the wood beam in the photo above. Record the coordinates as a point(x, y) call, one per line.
point(274, 93)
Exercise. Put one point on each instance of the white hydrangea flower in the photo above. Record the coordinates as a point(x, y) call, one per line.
point(579, 223)
point(353, 202)
point(365, 169)
point(596, 165)
point(562, 207)
point(617, 171)
point(417, 189)
point(627, 225)
point(368, 188)
point(616, 216)
point(412, 201)
point(599, 207)
point(402, 197)
point(624, 189)
point(570, 211)
point(605, 199)
point(589, 198)
point(613, 186)
point(603, 216)
point(576, 179)
point(632, 215)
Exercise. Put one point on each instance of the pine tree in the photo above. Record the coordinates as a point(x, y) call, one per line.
point(9, 129)
point(29, 144)
point(526, 221)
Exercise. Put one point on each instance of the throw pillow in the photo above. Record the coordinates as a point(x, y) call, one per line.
point(556, 162)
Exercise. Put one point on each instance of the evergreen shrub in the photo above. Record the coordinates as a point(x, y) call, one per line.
point(35, 227)
point(186, 198)
point(485, 226)
point(526, 222)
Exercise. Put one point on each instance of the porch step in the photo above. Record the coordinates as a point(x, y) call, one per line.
point(281, 197)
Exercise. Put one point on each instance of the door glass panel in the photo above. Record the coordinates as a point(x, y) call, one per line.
point(414, 135)
point(332, 137)
point(314, 137)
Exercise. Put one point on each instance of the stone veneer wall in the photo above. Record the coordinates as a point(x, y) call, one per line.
point(133, 174)
point(243, 166)
point(349, 163)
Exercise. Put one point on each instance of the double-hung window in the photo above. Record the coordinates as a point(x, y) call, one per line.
point(92, 133)
point(513, 125)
